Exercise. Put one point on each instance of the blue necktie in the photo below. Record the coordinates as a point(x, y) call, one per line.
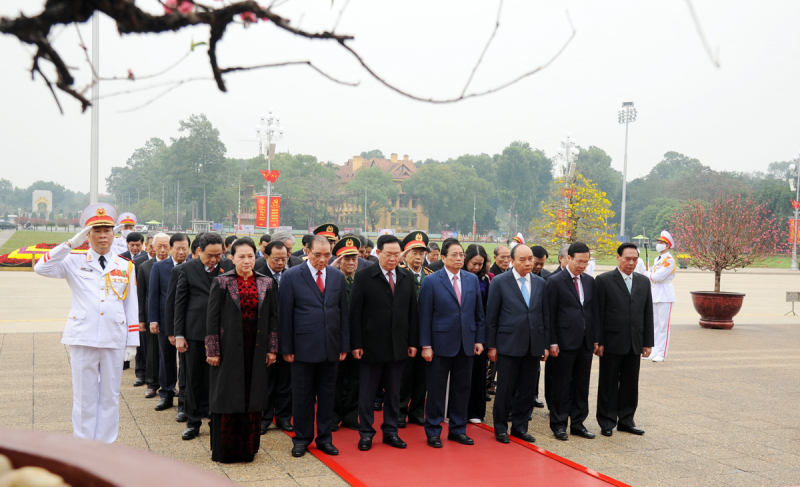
point(628, 283)
point(525, 293)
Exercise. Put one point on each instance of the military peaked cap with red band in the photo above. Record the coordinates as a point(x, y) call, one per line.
point(415, 240)
point(347, 246)
point(127, 219)
point(328, 230)
point(99, 215)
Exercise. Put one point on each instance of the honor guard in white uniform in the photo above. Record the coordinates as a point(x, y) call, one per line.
point(127, 222)
point(517, 240)
point(661, 275)
point(592, 264)
point(102, 328)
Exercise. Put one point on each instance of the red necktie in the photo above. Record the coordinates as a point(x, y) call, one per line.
point(391, 281)
point(320, 284)
point(577, 288)
point(457, 289)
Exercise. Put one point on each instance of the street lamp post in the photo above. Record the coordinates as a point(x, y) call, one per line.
point(794, 183)
point(626, 116)
point(269, 130)
point(566, 154)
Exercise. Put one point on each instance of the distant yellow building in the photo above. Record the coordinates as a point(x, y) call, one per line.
point(406, 214)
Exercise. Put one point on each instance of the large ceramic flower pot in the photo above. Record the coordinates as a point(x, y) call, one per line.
point(717, 309)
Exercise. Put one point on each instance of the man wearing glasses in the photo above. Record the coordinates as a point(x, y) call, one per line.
point(314, 336)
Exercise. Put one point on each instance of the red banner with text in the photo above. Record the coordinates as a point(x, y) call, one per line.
point(261, 211)
point(794, 228)
point(275, 212)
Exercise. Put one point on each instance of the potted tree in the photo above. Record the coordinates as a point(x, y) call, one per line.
point(727, 233)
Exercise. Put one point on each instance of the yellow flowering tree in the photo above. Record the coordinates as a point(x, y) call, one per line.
point(575, 211)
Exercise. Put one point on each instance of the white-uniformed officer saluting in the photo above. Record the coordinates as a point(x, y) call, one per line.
point(127, 223)
point(661, 275)
point(102, 327)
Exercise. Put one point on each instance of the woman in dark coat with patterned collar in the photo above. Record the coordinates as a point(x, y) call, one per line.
point(241, 342)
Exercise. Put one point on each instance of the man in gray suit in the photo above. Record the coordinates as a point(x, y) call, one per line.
point(517, 336)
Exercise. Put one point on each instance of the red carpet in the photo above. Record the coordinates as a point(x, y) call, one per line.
point(485, 463)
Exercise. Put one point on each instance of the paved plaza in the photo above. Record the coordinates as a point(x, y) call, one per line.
point(722, 410)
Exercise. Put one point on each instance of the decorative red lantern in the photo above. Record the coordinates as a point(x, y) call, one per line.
point(796, 204)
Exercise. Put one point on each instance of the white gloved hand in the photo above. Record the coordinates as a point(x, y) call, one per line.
point(118, 228)
point(130, 354)
point(79, 238)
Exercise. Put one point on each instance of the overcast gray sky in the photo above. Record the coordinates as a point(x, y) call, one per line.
point(740, 117)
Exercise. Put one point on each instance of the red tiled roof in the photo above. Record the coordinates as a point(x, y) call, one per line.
point(402, 169)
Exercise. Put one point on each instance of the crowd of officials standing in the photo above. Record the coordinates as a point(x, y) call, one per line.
point(252, 334)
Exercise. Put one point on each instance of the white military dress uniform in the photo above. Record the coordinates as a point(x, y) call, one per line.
point(102, 322)
point(661, 275)
point(120, 245)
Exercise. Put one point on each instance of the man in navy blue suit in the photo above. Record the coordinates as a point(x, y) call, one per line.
point(517, 336)
point(573, 339)
point(314, 336)
point(157, 317)
point(452, 332)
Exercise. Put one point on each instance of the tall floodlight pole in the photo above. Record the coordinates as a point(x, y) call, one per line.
point(94, 169)
point(794, 183)
point(566, 156)
point(269, 130)
point(626, 116)
point(474, 224)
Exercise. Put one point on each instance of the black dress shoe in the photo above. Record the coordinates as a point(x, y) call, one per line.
point(417, 421)
point(378, 406)
point(394, 441)
point(435, 441)
point(537, 403)
point(524, 436)
point(181, 417)
point(502, 437)
point(264, 428)
point(606, 432)
point(561, 435)
point(190, 433)
point(335, 427)
point(353, 426)
point(139, 382)
point(284, 425)
point(630, 429)
point(328, 449)
point(164, 404)
point(150, 393)
point(401, 423)
point(488, 398)
point(582, 432)
point(126, 365)
point(462, 439)
point(298, 450)
point(365, 443)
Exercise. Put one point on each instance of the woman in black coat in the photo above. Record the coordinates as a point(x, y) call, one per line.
point(476, 261)
point(241, 342)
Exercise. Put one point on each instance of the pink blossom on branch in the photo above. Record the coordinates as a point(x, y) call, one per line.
point(186, 7)
point(248, 18)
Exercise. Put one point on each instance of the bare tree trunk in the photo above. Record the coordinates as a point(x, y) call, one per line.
point(717, 275)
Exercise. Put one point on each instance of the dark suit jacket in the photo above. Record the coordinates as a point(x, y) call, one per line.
point(383, 324)
point(141, 256)
point(227, 381)
point(443, 324)
point(299, 253)
point(142, 287)
point(568, 319)
point(436, 266)
point(169, 305)
point(261, 263)
point(512, 327)
point(191, 298)
point(496, 270)
point(544, 273)
point(625, 319)
point(559, 269)
point(157, 290)
point(313, 326)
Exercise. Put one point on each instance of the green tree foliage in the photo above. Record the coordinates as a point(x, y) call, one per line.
point(373, 153)
point(523, 178)
point(381, 192)
point(444, 191)
point(655, 217)
point(594, 164)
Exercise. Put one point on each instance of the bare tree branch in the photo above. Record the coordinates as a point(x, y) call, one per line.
point(339, 17)
point(291, 63)
point(35, 69)
point(712, 55)
point(486, 48)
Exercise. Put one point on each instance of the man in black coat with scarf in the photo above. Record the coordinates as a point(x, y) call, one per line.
point(384, 331)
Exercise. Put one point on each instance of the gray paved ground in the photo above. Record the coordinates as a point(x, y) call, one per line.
point(722, 410)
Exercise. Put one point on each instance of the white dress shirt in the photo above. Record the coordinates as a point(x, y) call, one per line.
point(386, 275)
point(314, 273)
point(450, 276)
point(527, 278)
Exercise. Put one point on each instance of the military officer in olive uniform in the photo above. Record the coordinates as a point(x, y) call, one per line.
point(413, 385)
point(102, 328)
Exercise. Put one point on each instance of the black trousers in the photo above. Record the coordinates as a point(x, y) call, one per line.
point(279, 387)
point(413, 387)
point(196, 383)
point(313, 382)
point(571, 372)
point(618, 389)
point(459, 368)
point(153, 359)
point(345, 405)
point(181, 382)
point(515, 391)
point(167, 367)
point(391, 374)
point(476, 407)
point(141, 357)
point(548, 381)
